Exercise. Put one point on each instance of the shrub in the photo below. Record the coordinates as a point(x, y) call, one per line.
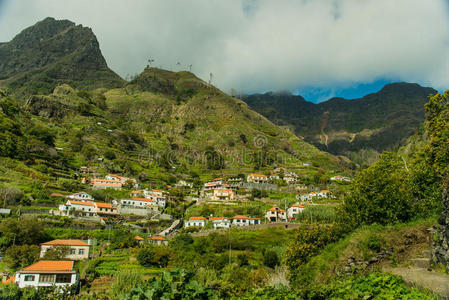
point(270, 258)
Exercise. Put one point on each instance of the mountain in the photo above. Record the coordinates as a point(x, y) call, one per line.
point(53, 52)
point(160, 127)
point(358, 128)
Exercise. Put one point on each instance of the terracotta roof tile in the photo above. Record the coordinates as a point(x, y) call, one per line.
point(81, 203)
point(197, 218)
point(66, 243)
point(51, 265)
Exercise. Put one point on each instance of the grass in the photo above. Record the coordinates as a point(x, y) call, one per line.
point(406, 240)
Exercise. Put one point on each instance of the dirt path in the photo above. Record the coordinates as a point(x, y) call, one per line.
point(433, 281)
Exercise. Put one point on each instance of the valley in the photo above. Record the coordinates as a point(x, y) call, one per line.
point(164, 186)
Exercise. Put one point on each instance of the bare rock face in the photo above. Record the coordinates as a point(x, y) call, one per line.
point(440, 240)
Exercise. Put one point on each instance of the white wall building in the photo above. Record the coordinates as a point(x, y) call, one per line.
point(295, 209)
point(257, 178)
point(223, 195)
point(220, 222)
point(195, 221)
point(81, 196)
point(78, 250)
point(240, 221)
point(275, 214)
point(48, 273)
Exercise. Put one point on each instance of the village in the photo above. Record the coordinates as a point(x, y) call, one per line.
point(151, 204)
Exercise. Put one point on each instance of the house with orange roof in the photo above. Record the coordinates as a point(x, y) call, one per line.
point(122, 179)
point(77, 249)
point(47, 273)
point(105, 209)
point(223, 195)
point(106, 184)
point(294, 210)
point(138, 202)
point(254, 221)
point(276, 214)
point(73, 207)
point(324, 194)
point(257, 178)
point(195, 221)
point(240, 221)
point(158, 240)
point(220, 222)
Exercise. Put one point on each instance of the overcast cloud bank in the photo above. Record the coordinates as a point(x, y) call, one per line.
point(261, 45)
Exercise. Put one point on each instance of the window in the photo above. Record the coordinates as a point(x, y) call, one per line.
point(47, 278)
point(29, 278)
point(63, 278)
point(101, 209)
point(72, 251)
point(81, 251)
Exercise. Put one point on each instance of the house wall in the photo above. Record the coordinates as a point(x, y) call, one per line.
point(20, 279)
point(76, 256)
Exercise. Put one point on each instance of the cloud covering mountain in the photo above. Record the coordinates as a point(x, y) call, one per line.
point(257, 45)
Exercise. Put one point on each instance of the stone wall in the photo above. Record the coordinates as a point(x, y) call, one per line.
point(440, 235)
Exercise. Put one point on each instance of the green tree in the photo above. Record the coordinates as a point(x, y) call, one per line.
point(20, 232)
point(57, 252)
point(379, 194)
point(122, 238)
point(21, 256)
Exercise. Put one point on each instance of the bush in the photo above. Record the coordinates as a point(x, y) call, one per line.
point(21, 256)
point(270, 258)
point(379, 194)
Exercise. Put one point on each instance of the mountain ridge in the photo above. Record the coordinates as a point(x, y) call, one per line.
point(54, 52)
point(376, 122)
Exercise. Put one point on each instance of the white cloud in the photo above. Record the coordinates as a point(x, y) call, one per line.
point(254, 45)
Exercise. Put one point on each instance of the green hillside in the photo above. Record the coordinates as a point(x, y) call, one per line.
point(160, 127)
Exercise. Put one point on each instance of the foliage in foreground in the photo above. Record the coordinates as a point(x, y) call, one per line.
point(177, 284)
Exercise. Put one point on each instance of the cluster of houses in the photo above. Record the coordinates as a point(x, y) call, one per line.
point(222, 222)
point(141, 202)
point(62, 273)
point(274, 214)
point(110, 181)
point(323, 194)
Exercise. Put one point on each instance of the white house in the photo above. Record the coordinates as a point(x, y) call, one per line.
point(220, 222)
point(254, 221)
point(217, 183)
point(257, 178)
point(275, 214)
point(324, 194)
point(294, 210)
point(183, 183)
point(78, 250)
point(105, 209)
point(307, 197)
point(157, 195)
point(106, 184)
point(195, 221)
point(81, 196)
point(122, 179)
point(240, 221)
point(86, 209)
point(158, 240)
point(340, 178)
point(138, 202)
point(291, 178)
point(223, 194)
point(48, 273)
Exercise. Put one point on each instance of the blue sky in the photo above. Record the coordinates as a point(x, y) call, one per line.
point(355, 91)
point(319, 49)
